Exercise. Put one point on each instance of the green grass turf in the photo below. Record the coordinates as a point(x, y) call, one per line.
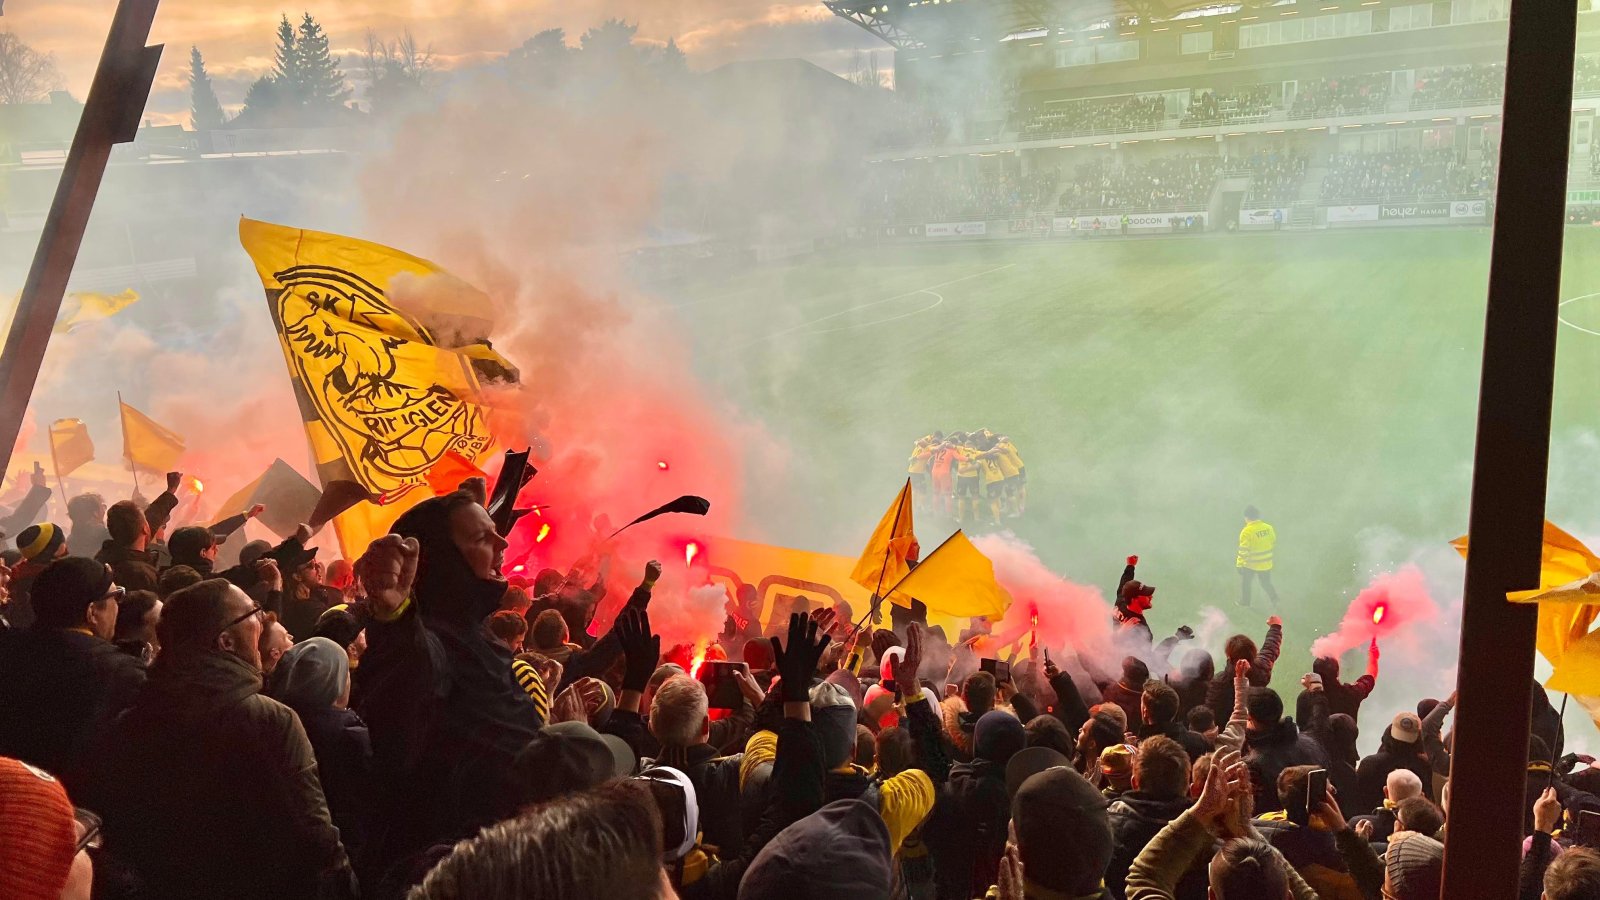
point(1154, 388)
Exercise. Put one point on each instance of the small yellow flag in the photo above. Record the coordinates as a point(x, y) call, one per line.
point(70, 446)
point(956, 580)
point(148, 444)
point(92, 307)
point(883, 561)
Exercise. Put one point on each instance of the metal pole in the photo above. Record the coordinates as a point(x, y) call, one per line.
point(1489, 765)
point(110, 116)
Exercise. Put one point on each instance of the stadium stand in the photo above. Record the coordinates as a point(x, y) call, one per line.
point(1159, 185)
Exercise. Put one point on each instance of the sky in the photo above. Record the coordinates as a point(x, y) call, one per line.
point(236, 36)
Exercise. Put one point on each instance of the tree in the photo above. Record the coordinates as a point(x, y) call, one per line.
point(670, 60)
point(264, 103)
point(286, 59)
point(204, 110)
point(612, 38)
point(541, 60)
point(397, 72)
point(26, 75)
point(321, 87)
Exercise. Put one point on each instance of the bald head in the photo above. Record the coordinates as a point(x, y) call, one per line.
point(1402, 784)
point(213, 615)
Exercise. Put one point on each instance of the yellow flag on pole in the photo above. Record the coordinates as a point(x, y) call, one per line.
point(87, 307)
point(956, 580)
point(883, 561)
point(70, 446)
point(148, 444)
point(381, 401)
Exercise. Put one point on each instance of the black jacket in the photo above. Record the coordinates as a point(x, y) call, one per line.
point(966, 832)
point(344, 766)
point(59, 693)
point(209, 789)
point(1219, 696)
point(1373, 773)
point(1192, 743)
point(716, 790)
point(1270, 752)
point(1135, 819)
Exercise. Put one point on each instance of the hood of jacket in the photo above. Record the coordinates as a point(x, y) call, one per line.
point(1284, 734)
point(1152, 810)
point(447, 592)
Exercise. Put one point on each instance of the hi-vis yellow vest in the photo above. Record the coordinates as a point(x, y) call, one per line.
point(1255, 546)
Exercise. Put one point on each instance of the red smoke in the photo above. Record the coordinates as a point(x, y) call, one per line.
point(1390, 609)
point(1062, 614)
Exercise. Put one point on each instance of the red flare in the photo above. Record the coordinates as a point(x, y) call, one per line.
point(544, 532)
point(198, 485)
point(1377, 613)
point(662, 465)
point(690, 552)
point(699, 659)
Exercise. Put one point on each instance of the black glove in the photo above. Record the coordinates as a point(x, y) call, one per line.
point(798, 662)
point(1185, 633)
point(640, 648)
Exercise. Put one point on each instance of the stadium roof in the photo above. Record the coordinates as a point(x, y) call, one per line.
point(919, 23)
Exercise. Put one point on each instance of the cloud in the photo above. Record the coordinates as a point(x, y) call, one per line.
point(237, 36)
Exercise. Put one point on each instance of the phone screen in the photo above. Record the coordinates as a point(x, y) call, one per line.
point(1589, 828)
point(1000, 669)
point(722, 687)
point(1316, 792)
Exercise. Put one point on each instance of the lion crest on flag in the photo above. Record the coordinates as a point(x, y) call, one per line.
point(378, 395)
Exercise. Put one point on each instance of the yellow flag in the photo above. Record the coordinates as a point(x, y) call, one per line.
point(70, 446)
point(956, 580)
point(382, 402)
point(1563, 560)
point(883, 561)
point(91, 307)
point(148, 444)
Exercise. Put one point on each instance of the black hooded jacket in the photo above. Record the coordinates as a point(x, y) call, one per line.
point(1271, 751)
point(1136, 818)
point(445, 716)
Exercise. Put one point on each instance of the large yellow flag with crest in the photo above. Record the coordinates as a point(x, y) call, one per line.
point(383, 403)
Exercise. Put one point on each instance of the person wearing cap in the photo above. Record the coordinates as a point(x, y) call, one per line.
point(967, 832)
point(40, 545)
point(604, 843)
point(196, 546)
point(1128, 691)
point(567, 757)
point(313, 679)
point(44, 837)
point(1275, 743)
point(1160, 794)
point(62, 681)
point(1063, 834)
point(208, 787)
point(1400, 747)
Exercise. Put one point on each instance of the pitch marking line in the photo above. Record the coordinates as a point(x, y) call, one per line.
point(1563, 319)
point(930, 289)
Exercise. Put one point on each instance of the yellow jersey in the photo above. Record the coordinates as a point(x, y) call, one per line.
point(1010, 462)
point(966, 462)
point(921, 457)
point(1256, 543)
point(989, 465)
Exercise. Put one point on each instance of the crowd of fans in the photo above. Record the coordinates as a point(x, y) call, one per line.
point(1341, 95)
point(1276, 176)
point(1175, 182)
point(1246, 104)
point(439, 732)
point(926, 193)
point(1101, 115)
point(1442, 174)
point(1458, 85)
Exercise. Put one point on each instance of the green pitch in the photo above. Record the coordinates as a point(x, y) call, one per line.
point(1154, 388)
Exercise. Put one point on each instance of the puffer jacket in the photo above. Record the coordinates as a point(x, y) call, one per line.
point(1136, 818)
point(1271, 751)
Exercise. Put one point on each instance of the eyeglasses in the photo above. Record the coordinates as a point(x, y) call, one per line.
point(255, 610)
point(88, 827)
point(116, 593)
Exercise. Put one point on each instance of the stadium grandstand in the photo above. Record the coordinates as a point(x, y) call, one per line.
point(1060, 117)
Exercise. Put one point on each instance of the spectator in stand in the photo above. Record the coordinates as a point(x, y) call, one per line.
point(1346, 698)
point(137, 616)
point(1128, 692)
point(679, 721)
point(1400, 748)
point(1063, 835)
point(62, 681)
point(46, 857)
point(275, 641)
point(87, 515)
point(1159, 795)
point(961, 714)
point(1311, 848)
point(1158, 709)
point(1239, 647)
point(244, 816)
point(1275, 744)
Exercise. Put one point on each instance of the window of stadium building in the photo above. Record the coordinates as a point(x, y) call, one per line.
point(1294, 31)
point(1463, 12)
point(1199, 42)
point(1405, 18)
point(1110, 51)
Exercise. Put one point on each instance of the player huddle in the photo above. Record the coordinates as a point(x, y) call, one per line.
point(974, 477)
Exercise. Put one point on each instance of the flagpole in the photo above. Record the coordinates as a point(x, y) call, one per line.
point(888, 550)
point(923, 562)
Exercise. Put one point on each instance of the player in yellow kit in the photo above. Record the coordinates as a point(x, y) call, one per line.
point(1016, 475)
point(994, 479)
point(969, 480)
point(1257, 542)
point(920, 467)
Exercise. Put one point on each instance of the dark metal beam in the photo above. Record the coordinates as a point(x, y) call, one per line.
point(1512, 456)
point(887, 31)
point(110, 116)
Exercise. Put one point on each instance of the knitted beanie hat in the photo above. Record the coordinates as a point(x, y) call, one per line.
point(37, 831)
point(1415, 864)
